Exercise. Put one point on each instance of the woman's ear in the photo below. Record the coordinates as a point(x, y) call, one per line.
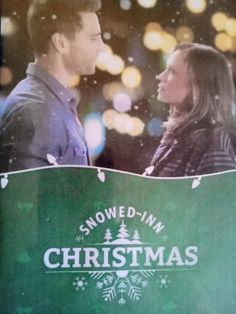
point(60, 42)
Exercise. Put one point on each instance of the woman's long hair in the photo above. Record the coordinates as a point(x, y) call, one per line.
point(212, 91)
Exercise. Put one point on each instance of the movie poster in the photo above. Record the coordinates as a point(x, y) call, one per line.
point(111, 236)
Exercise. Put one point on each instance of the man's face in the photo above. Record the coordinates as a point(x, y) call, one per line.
point(85, 47)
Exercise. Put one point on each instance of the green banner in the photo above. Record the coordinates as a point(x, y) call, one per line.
point(88, 240)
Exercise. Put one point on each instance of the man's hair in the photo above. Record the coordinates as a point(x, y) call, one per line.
point(46, 17)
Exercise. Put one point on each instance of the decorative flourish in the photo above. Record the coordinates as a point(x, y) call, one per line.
point(147, 273)
point(163, 281)
point(121, 284)
point(79, 238)
point(80, 283)
point(24, 258)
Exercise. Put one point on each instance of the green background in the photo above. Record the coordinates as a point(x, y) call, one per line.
point(44, 208)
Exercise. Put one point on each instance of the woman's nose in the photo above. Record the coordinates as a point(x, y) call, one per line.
point(161, 76)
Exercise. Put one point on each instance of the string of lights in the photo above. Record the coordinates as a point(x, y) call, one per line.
point(118, 105)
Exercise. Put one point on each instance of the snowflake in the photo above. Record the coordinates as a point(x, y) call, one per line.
point(80, 283)
point(107, 35)
point(121, 285)
point(163, 281)
point(164, 238)
point(79, 238)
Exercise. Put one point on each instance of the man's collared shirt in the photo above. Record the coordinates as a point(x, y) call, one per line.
point(39, 124)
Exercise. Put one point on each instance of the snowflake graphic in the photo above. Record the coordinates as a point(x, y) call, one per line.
point(80, 283)
point(121, 285)
point(163, 281)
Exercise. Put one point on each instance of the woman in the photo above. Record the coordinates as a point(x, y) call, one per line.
point(200, 135)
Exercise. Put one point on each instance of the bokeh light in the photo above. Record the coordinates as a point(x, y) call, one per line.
point(94, 133)
point(184, 33)
point(108, 118)
point(230, 27)
point(154, 127)
point(123, 123)
point(107, 35)
point(153, 40)
point(153, 26)
point(223, 42)
point(147, 3)
point(131, 77)
point(101, 61)
point(196, 6)
point(115, 64)
point(8, 26)
point(233, 48)
point(112, 63)
point(75, 80)
point(111, 89)
point(122, 102)
point(138, 40)
point(219, 20)
point(137, 127)
point(6, 76)
point(125, 4)
point(169, 42)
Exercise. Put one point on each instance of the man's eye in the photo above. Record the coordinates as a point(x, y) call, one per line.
point(95, 38)
point(170, 70)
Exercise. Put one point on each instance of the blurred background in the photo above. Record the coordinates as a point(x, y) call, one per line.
point(118, 105)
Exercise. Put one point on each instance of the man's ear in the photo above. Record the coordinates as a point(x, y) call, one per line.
point(60, 42)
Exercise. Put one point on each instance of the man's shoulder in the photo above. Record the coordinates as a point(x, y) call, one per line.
point(27, 94)
point(29, 88)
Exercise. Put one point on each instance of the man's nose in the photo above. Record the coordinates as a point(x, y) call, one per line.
point(102, 47)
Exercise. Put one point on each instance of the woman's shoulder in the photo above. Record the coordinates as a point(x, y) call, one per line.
point(217, 137)
point(199, 134)
point(221, 138)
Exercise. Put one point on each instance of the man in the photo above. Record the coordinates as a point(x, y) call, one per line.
point(39, 124)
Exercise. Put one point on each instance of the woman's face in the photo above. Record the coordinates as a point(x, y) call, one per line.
point(174, 86)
